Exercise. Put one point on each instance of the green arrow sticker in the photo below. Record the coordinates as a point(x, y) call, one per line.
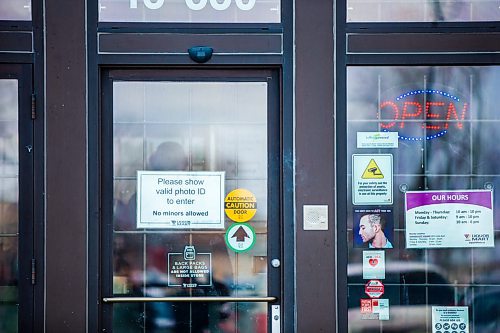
point(240, 237)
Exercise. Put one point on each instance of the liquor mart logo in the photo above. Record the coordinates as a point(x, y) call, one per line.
point(477, 238)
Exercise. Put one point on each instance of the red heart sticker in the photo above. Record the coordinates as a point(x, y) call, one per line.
point(373, 262)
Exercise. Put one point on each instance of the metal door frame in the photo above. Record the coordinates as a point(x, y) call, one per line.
point(275, 176)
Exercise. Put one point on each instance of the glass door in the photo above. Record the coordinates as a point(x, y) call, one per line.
point(16, 200)
point(191, 176)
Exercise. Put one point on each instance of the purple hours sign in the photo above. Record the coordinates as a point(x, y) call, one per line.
point(445, 219)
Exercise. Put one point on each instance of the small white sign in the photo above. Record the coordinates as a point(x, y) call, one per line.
point(315, 217)
point(381, 308)
point(372, 179)
point(373, 265)
point(180, 200)
point(377, 140)
point(450, 319)
point(447, 219)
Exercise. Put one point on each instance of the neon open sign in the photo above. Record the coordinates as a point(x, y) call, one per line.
point(423, 114)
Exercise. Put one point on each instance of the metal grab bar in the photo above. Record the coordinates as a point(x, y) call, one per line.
point(268, 299)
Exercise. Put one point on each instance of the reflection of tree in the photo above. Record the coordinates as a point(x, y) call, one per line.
point(451, 11)
point(451, 155)
point(417, 10)
point(140, 262)
point(437, 11)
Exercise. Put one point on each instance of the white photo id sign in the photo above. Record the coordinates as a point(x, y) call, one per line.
point(180, 199)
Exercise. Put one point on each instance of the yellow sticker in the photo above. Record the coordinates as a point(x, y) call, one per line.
point(372, 171)
point(240, 205)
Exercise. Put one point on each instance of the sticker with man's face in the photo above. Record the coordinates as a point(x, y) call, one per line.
point(373, 228)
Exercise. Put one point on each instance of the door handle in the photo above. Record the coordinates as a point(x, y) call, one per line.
point(268, 299)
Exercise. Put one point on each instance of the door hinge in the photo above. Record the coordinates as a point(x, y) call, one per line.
point(33, 271)
point(33, 106)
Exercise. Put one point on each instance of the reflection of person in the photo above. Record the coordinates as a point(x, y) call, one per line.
point(371, 230)
point(145, 269)
point(200, 317)
point(168, 156)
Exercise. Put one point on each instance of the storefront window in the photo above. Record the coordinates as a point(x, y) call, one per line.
point(15, 10)
point(190, 11)
point(422, 11)
point(422, 211)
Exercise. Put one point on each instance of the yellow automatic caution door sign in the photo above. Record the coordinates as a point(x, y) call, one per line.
point(372, 171)
point(240, 205)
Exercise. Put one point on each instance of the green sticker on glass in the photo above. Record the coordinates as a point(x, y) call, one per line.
point(240, 237)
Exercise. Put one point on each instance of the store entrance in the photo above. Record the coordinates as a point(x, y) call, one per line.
point(17, 260)
point(191, 201)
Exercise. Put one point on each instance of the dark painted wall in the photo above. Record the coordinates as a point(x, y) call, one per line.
point(314, 163)
point(65, 195)
point(66, 212)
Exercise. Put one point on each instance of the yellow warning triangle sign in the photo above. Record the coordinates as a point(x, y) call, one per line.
point(372, 171)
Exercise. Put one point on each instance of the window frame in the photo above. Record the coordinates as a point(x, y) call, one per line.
point(390, 56)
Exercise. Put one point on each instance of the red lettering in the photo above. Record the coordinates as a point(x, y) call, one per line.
point(430, 115)
point(438, 115)
point(406, 115)
point(453, 110)
point(395, 110)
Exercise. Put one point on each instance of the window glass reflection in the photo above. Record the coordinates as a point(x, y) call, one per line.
point(9, 199)
point(15, 10)
point(422, 11)
point(189, 126)
point(204, 11)
point(446, 120)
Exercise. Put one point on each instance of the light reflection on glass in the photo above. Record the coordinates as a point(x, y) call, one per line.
point(190, 11)
point(9, 198)
point(195, 126)
point(463, 100)
point(15, 10)
point(422, 11)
